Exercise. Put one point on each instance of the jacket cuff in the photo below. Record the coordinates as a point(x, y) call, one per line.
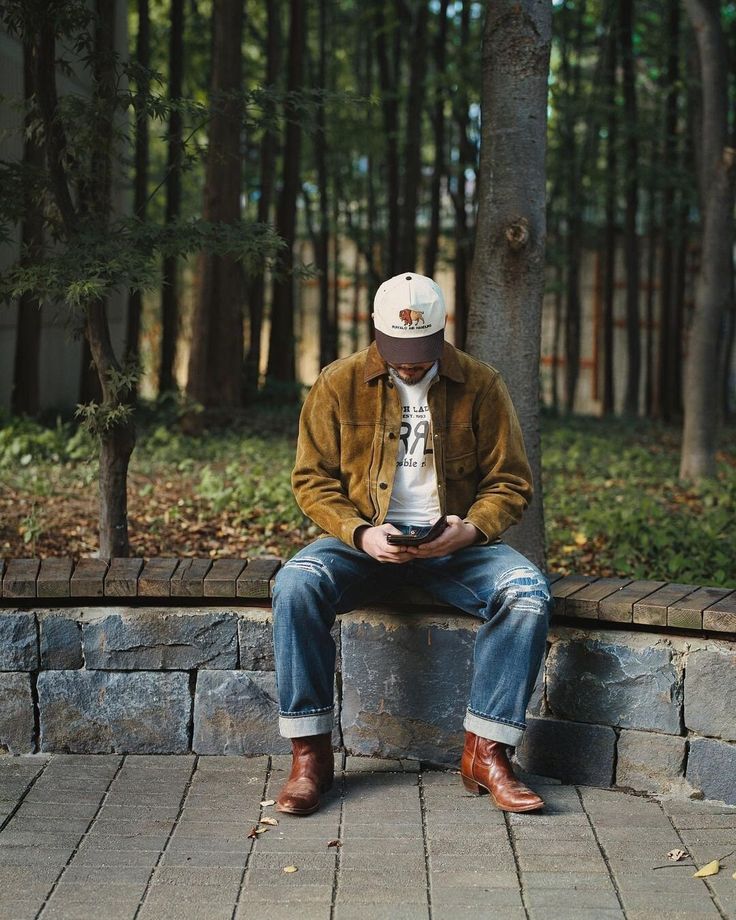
point(349, 528)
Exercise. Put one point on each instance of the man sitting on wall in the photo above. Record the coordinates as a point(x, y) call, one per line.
point(408, 439)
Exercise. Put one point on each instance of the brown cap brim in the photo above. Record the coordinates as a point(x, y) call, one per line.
point(418, 350)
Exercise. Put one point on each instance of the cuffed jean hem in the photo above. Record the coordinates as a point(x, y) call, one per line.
point(493, 730)
point(301, 726)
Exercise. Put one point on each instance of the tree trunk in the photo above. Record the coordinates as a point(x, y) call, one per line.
point(438, 126)
point(412, 158)
point(504, 325)
point(669, 344)
point(25, 395)
point(281, 358)
point(631, 241)
point(389, 35)
point(269, 149)
point(714, 288)
point(609, 241)
point(169, 280)
point(327, 328)
point(140, 179)
point(216, 358)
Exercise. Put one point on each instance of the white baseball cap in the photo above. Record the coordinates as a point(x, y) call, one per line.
point(409, 317)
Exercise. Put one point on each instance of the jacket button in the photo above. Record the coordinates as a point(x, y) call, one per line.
point(382, 485)
point(390, 385)
point(391, 436)
point(461, 469)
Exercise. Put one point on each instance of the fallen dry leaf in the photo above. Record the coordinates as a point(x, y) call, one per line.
point(677, 855)
point(712, 868)
point(290, 869)
point(272, 821)
point(335, 843)
point(258, 829)
point(268, 802)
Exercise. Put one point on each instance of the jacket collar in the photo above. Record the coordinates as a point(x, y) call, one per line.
point(449, 367)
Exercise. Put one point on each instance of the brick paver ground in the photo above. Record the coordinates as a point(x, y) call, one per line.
point(165, 838)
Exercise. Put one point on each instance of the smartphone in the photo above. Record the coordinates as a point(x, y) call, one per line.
point(407, 539)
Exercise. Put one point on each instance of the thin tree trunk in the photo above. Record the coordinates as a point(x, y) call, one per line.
point(609, 244)
point(216, 358)
point(389, 35)
point(170, 281)
point(412, 158)
point(438, 127)
point(269, 147)
point(669, 345)
point(631, 241)
point(140, 180)
point(651, 286)
point(327, 329)
point(25, 395)
point(281, 357)
point(714, 288)
point(504, 324)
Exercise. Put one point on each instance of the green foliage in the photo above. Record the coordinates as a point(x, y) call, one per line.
point(613, 502)
point(26, 444)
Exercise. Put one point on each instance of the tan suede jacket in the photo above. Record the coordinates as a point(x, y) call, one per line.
point(349, 438)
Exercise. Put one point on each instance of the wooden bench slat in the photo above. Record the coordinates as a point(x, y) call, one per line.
point(584, 603)
point(19, 579)
point(88, 579)
point(721, 616)
point(188, 579)
point(221, 580)
point(122, 577)
point(255, 580)
point(54, 577)
point(619, 606)
point(687, 613)
point(653, 609)
point(155, 579)
point(566, 586)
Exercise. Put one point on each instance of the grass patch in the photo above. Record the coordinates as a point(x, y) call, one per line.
point(613, 505)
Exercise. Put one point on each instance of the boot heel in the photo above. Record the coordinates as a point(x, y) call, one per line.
point(472, 786)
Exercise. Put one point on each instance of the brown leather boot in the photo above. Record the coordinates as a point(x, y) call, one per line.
point(485, 768)
point(312, 772)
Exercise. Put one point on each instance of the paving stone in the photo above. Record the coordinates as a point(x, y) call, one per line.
point(101, 711)
point(377, 912)
point(711, 766)
point(159, 638)
point(573, 752)
point(649, 761)
point(572, 898)
point(710, 691)
point(18, 641)
point(17, 724)
point(627, 682)
point(405, 683)
point(580, 878)
point(60, 636)
point(236, 712)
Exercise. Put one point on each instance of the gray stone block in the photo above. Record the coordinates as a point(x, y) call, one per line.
point(161, 638)
point(711, 766)
point(236, 712)
point(710, 692)
point(624, 681)
point(18, 641)
point(95, 712)
point(255, 637)
point(61, 640)
point(16, 714)
point(649, 761)
point(573, 752)
point(406, 680)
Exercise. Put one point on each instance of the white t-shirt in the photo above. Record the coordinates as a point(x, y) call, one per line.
point(414, 498)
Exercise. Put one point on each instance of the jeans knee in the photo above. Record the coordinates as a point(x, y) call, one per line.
point(525, 590)
point(299, 575)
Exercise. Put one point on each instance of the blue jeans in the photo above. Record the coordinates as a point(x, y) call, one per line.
point(493, 582)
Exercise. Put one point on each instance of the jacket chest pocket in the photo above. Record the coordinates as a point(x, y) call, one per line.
point(356, 446)
point(460, 452)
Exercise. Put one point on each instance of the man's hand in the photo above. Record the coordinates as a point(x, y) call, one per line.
point(372, 540)
point(457, 535)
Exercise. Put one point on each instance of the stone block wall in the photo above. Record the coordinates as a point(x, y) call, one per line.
point(648, 711)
